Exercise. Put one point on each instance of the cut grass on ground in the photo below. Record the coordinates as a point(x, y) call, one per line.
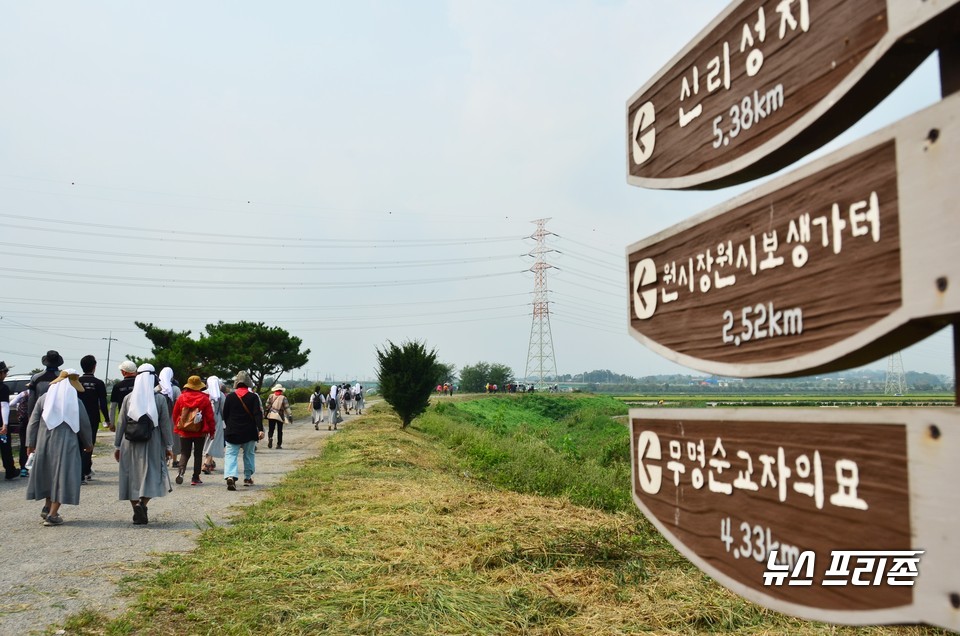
point(382, 534)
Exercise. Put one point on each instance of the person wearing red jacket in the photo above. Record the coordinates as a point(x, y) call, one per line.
point(191, 408)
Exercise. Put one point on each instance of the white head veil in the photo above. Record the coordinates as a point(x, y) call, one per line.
point(142, 401)
point(61, 403)
point(166, 382)
point(213, 388)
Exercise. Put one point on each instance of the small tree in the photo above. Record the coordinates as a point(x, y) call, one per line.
point(407, 376)
point(500, 374)
point(446, 372)
point(474, 377)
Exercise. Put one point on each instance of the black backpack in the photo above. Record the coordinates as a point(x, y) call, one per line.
point(139, 430)
point(317, 401)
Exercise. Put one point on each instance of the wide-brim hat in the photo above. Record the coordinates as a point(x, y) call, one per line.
point(194, 383)
point(243, 378)
point(4, 366)
point(52, 359)
point(278, 387)
point(72, 376)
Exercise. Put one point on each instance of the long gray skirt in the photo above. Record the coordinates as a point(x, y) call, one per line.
point(56, 467)
point(143, 469)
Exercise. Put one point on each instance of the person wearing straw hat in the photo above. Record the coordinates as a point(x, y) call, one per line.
point(193, 407)
point(143, 464)
point(242, 429)
point(52, 435)
point(6, 448)
point(278, 412)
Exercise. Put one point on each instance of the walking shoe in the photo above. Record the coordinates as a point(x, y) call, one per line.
point(24, 472)
point(231, 483)
point(316, 427)
point(44, 512)
point(329, 428)
point(175, 464)
point(195, 481)
point(279, 447)
point(53, 520)
point(83, 482)
point(269, 443)
point(179, 479)
point(89, 477)
point(139, 515)
point(248, 482)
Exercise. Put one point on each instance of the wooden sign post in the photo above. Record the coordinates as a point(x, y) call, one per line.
point(835, 265)
point(729, 486)
point(844, 516)
point(769, 81)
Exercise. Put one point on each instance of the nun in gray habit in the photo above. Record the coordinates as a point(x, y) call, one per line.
point(52, 435)
point(143, 465)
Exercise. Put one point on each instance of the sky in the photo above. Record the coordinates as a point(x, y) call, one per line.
point(354, 172)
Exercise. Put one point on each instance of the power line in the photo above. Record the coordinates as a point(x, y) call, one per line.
point(166, 283)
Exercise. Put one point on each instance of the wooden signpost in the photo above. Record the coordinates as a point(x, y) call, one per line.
point(728, 486)
point(844, 516)
point(769, 81)
point(835, 265)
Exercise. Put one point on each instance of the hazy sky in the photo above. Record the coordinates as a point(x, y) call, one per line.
point(351, 171)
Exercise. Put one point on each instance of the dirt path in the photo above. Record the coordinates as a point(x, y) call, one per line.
point(49, 573)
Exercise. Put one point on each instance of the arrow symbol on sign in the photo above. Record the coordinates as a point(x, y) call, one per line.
point(644, 302)
point(644, 134)
point(648, 447)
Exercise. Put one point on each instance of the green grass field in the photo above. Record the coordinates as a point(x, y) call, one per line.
point(502, 515)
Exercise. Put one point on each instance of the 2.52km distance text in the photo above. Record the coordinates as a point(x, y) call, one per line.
point(761, 321)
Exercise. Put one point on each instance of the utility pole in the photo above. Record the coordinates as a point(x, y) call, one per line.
point(540, 358)
point(106, 369)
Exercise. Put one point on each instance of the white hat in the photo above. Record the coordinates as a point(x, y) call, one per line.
point(278, 387)
point(128, 366)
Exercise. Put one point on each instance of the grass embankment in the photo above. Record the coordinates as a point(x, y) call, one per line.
point(391, 532)
point(795, 400)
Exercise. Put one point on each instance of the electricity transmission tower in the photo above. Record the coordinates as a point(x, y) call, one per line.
point(540, 360)
point(896, 383)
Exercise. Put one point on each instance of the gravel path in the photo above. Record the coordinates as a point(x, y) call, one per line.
point(49, 573)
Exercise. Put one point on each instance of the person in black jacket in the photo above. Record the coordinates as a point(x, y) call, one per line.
point(38, 386)
point(242, 429)
point(94, 399)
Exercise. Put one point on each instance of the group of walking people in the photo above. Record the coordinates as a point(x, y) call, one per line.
point(326, 406)
point(157, 427)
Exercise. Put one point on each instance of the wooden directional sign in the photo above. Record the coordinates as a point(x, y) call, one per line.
point(837, 264)
point(728, 486)
point(770, 80)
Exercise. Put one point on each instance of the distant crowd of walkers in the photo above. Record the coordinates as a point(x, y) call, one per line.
point(326, 407)
point(158, 427)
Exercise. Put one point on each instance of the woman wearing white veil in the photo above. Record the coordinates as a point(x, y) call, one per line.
point(214, 446)
point(52, 435)
point(143, 464)
point(170, 391)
